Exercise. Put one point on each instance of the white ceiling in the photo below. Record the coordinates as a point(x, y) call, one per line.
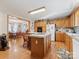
point(54, 8)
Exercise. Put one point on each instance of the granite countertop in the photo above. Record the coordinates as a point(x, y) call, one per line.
point(73, 35)
point(39, 35)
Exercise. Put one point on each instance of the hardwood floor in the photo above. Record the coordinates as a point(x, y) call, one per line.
point(16, 51)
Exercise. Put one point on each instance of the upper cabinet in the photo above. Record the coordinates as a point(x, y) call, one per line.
point(63, 22)
point(69, 21)
point(76, 17)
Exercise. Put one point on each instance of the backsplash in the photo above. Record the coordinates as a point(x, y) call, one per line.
point(68, 29)
point(76, 29)
point(64, 29)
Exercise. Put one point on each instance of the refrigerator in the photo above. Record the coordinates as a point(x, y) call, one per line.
point(51, 28)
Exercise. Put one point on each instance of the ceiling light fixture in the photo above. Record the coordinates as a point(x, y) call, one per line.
point(42, 9)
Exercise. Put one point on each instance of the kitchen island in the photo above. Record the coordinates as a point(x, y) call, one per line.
point(40, 44)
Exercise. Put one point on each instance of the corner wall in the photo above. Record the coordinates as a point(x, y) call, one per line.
point(3, 23)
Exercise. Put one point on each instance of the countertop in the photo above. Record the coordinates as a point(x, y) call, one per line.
point(39, 35)
point(73, 35)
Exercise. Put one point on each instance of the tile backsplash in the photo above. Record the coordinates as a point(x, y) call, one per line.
point(68, 29)
point(76, 29)
point(65, 29)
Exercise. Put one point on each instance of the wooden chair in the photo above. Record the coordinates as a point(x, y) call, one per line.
point(25, 37)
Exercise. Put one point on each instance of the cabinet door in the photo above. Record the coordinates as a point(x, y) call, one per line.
point(59, 23)
point(67, 23)
point(77, 18)
point(59, 37)
point(68, 43)
point(37, 44)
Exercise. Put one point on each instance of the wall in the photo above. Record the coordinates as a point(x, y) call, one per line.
point(3, 23)
point(32, 26)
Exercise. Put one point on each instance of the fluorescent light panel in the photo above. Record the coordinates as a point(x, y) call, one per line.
point(42, 9)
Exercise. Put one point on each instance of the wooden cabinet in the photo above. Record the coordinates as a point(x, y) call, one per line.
point(60, 37)
point(40, 23)
point(37, 48)
point(60, 23)
point(67, 22)
point(66, 39)
point(40, 45)
point(68, 43)
point(63, 22)
point(76, 17)
point(72, 20)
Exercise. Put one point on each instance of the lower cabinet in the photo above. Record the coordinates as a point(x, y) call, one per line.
point(66, 39)
point(60, 36)
point(40, 46)
point(68, 43)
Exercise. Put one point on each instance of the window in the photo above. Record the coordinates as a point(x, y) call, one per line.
point(16, 25)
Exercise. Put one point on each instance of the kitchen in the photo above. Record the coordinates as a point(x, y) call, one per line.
point(62, 27)
point(66, 29)
point(44, 30)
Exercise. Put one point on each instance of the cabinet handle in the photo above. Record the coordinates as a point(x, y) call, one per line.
point(36, 42)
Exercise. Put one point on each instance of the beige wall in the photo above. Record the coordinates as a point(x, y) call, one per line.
point(3, 23)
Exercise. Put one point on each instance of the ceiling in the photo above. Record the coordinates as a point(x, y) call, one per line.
point(54, 8)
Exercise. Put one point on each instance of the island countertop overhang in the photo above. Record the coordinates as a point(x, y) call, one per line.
point(39, 35)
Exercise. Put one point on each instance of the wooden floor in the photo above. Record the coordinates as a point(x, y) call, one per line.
point(16, 51)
